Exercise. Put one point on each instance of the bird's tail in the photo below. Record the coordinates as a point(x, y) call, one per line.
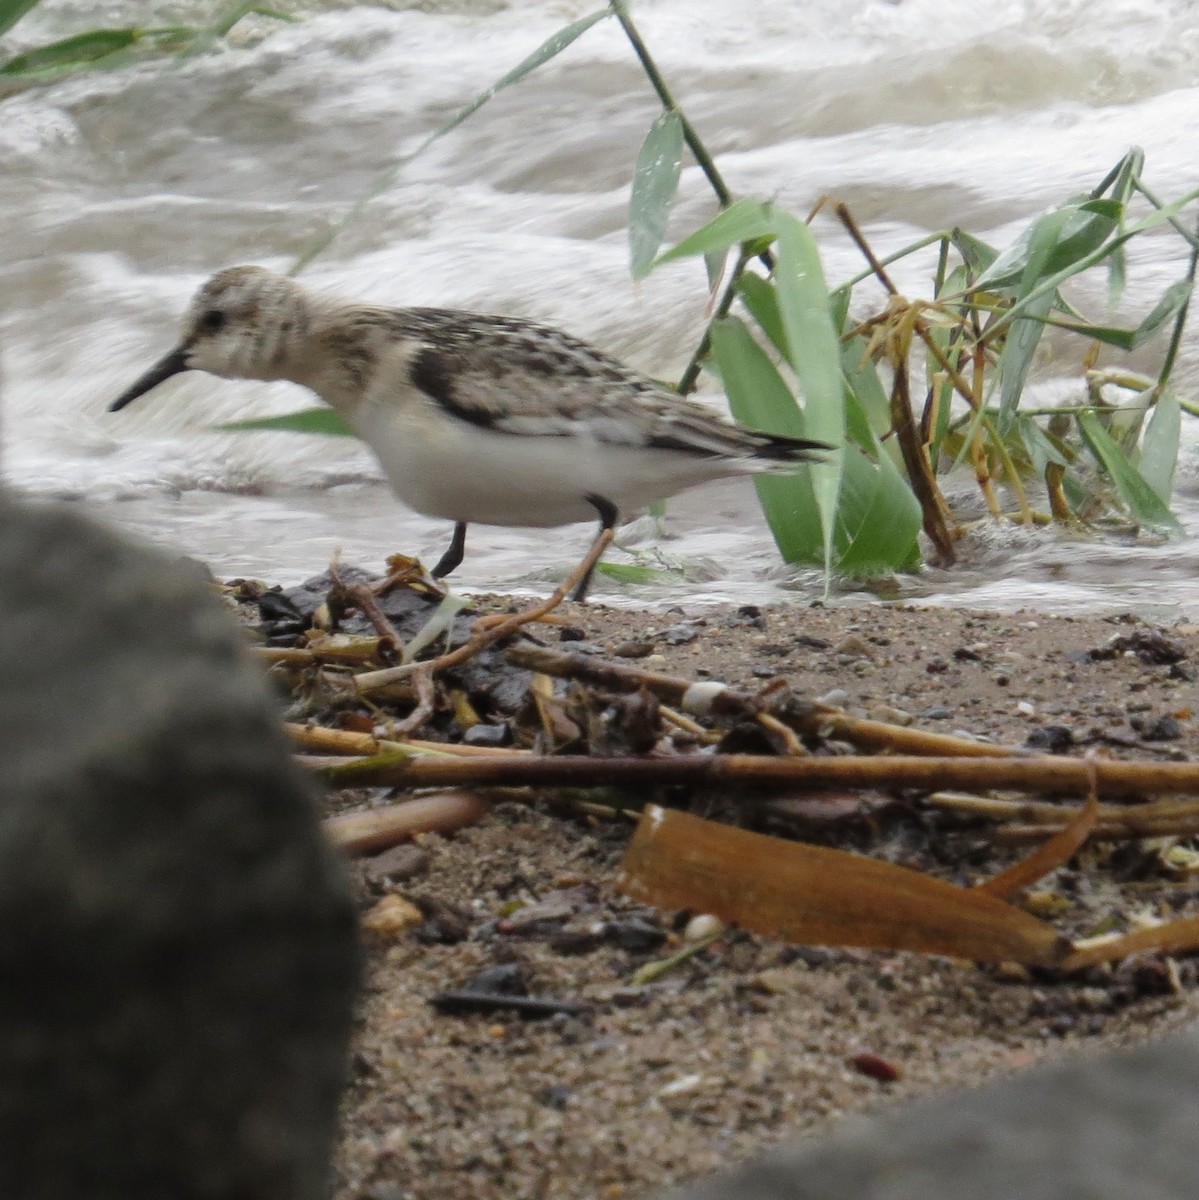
point(776, 449)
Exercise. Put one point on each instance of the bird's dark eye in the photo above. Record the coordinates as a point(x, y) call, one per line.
point(212, 320)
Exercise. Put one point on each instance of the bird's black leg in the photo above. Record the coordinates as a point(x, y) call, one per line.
point(608, 515)
point(453, 555)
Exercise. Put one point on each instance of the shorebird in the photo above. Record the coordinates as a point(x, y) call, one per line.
point(478, 419)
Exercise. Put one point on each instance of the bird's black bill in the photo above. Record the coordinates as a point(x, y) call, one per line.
point(164, 368)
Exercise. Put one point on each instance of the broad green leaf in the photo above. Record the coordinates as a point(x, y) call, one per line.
point(1173, 300)
point(759, 398)
point(742, 221)
point(655, 182)
point(1056, 239)
point(860, 375)
point(636, 574)
point(548, 49)
point(1159, 446)
point(878, 518)
point(1015, 360)
point(1053, 282)
point(306, 420)
point(1040, 446)
point(83, 48)
point(1123, 176)
point(1146, 507)
point(11, 11)
point(760, 297)
point(814, 352)
point(976, 254)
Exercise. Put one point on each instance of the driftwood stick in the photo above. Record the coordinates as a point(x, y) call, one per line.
point(1046, 773)
point(720, 700)
point(377, 829)
point(345, 741)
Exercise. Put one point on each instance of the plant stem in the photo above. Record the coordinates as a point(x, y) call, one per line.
point(1179, 321)
point(691, 374)
point(698, 149)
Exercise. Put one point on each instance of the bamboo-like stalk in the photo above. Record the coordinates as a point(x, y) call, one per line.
point(1045, 773)
point(347, 742)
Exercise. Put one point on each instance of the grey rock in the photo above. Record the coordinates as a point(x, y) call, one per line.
point(1118, 1127)
point(178, 951)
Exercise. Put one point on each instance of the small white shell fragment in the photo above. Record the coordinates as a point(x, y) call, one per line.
point(703, 926)
point(682, 1086)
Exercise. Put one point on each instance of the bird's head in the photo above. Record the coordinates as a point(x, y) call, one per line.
point(244, 323)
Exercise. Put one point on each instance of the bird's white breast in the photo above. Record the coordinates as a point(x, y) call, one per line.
point(446, 467)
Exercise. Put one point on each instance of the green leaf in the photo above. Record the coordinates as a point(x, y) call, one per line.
point(11, 11)
point(1015, 360)
point(1056, 240)
point(306, 420)
point(976, 254)
point(72, 51)
point(877, 518)
point(742, 221)
point(1042, 450)
point(1053, 282)
point(655, 182)
point(636, 574)
point(1174, 300)
point(814, 352)
point(760, 297)
point(758, 397)
point(1146, 507)
point(1159, 446)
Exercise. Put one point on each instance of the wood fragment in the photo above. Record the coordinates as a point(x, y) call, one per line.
point(739, 772)
point(381, 828)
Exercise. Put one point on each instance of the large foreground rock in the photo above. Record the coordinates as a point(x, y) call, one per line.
point(177, 943)
point(1114, 1127)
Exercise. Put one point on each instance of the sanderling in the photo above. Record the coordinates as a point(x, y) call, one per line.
point(473, 418)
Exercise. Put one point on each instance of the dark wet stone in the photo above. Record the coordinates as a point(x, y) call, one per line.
point(1052, 739)
point(274, 606)
point(505, 979)
point(636, 936)
point(1151, 646)
point(557, 1095)
point(633, 650)
point(445, 924)
point(488, 735)
point(679, 635)
point(1164, 729)
point(395, 865)
point(578, 937)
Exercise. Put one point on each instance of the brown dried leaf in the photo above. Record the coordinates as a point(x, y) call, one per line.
point(824, 897)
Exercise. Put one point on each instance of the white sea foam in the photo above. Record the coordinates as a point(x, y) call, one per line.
point(122, 190)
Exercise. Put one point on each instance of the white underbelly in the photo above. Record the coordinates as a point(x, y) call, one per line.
point(444, 467)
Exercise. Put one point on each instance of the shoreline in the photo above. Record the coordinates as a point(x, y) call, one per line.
point(752, 1041)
